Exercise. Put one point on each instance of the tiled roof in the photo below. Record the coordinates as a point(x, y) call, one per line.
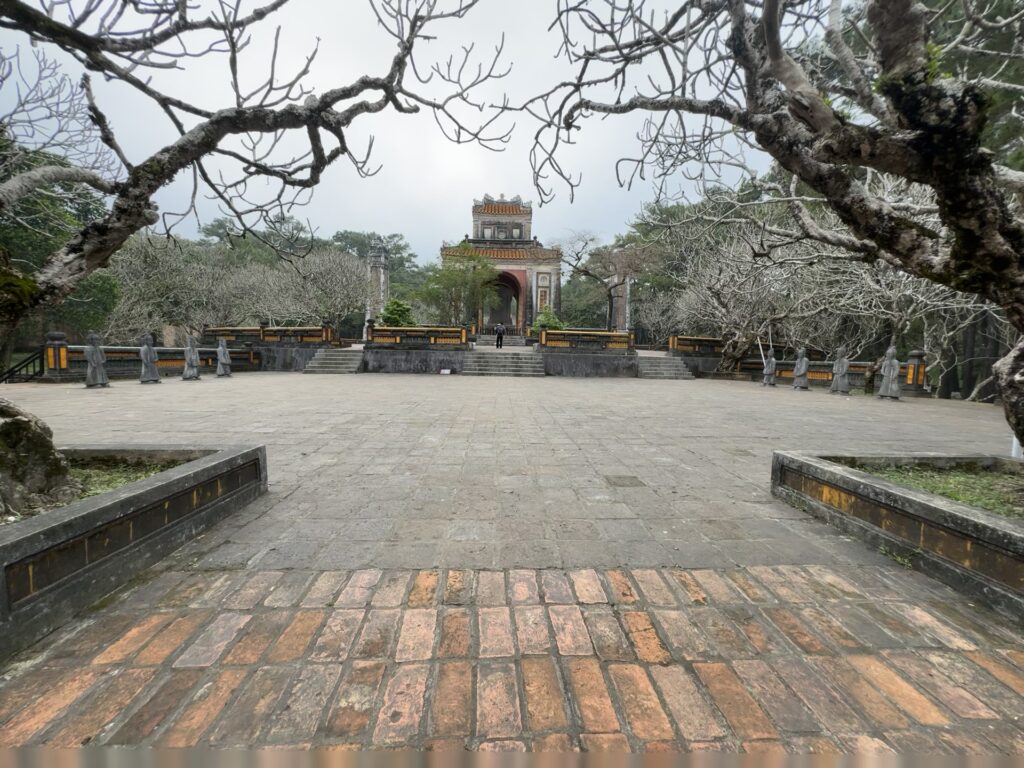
point(504, 254)
point(502, 209)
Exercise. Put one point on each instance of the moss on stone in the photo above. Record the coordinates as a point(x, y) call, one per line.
point(101, 475)
point(993, 490)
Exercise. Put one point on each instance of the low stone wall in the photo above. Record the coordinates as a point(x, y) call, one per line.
point(589, 364)
point(973, 551)
point(377, 360)
point(60, 562)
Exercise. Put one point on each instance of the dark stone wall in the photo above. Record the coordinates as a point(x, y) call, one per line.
point(584, 364)
point(279, 358)
point(412, 360)
point(59, 563)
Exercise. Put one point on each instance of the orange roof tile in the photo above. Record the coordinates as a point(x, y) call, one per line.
point(504, 254)
point(502, 209)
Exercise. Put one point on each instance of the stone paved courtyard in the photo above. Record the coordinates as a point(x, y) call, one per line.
point(521, 564)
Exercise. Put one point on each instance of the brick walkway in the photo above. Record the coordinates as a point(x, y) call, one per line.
point(765, 658)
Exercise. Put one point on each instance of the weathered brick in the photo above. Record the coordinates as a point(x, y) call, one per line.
point(916, 743)
point(399, 718)
point(253, 592)
point(717, 587)
point(838, 583)
point(555, 587)
point(959, 701)
point(692, 590)
point(292, 643)
point(831, 630)
point(544, 698)
point(813, 745)
point(495, 632)
point(640, 703)
point(210, 645)
point(685, 640)
point(752, 590)
point(693, 716)
point(644, 637)
point(862, 744)
point(785, 709)
point(903, 694)
point(604, 742)
point(288, 591)
point(451, 709)
point(158, 708)
point(325, 589)
point(532, 629)
point(378, 634)
point(620, 588)
point(171, 639)
point(875, 705)
point(359, 590)
point(337, 635)
point(100, 707)
point(248, 716)
point(357, 694)
point(256, 637)
point(999, 669)
point(132, 640)
point(455, 633)
point(941, 631)
point(777, 583)
point(827, 707)
point(497, 701)
point(653, 587)
point(588, 586)
point(522, 586)
point(391, 590)
point(554, 742)
point(424, 589)
point(298, 719)
point(458, 588)
point(760, 632)
point(416, 641)
point(502, 745)
point(763, 748)
point(570, 631)
point(606, 634)
point(189, 727)
point(795, 630)
point(725, 637)
point(964, 673)
point(490, 588)
point(744, 714)
point(590, 693)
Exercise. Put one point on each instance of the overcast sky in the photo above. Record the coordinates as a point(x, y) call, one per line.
point(426, 184)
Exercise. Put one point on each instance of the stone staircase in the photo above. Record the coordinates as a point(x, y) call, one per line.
point(330, 360)
point(487, 340)
point(662, 368)
point(503, 364)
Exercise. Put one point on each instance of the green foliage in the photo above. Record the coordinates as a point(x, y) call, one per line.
point(546, 318)
point(461, 288)
point(101, 475)
point(398, 313)
point(584, 303)
point(996, 491)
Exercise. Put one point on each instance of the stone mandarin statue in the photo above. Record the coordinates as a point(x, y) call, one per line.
point(149, 357)
point(769, 370)
point(223, 359)
point(96, 372)
point(800, 370)
point(191, 372)
point(890, 376)
point(840, 373)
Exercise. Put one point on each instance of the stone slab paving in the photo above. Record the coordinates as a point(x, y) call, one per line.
point(521, 564)
point(790, 659)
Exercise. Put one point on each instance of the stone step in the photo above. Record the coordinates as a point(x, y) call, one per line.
point(337, 361)
point(662, 368)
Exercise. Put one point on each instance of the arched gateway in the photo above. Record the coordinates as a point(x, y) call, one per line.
point(528, 273)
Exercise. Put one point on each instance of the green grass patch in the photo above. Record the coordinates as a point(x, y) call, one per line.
point(993, 490)
point(102, 475)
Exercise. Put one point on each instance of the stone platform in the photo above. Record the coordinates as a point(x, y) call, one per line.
point(522, 564)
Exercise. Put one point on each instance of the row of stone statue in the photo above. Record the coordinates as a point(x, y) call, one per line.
point(96, 361)
point(890, 371)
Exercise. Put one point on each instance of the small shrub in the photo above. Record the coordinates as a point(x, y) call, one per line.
point(547, 319)
point(397, 313)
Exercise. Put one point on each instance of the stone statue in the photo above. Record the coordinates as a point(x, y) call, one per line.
point(800, 370)
point(96, 372)
point(890, 375)
point(223, 359)
point(840, 373)
point(191, 372)
point(769, 370)
point(150, 374)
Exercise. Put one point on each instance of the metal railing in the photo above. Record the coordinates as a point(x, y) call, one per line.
point(32, 367)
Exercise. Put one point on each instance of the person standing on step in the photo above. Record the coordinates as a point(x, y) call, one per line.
point(499, 335)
